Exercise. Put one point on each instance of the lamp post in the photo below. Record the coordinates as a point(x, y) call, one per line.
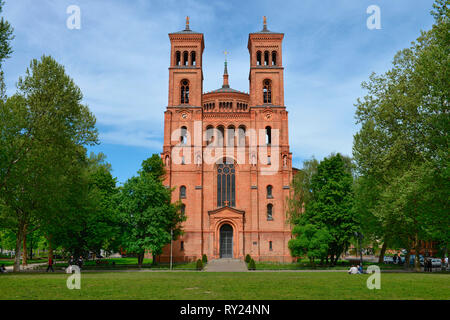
point(359, 236)
point(171, 238)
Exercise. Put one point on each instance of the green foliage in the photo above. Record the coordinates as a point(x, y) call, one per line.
point(301, 184)
point(402, 148)
point(199, 265)
point(252, 265)
point(247, 258)
point(154, 166)
point(43, 129)
point(329, 210)
point(204, 259)
point(310, 241)
point(147, 214)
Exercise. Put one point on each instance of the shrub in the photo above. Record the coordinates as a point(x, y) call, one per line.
point(252, 265)
point(248, 258)
point(199, 265)
point(204, 259)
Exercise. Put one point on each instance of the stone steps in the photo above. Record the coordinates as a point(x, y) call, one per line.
point(226, 265)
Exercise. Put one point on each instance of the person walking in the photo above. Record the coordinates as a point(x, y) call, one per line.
point(50, 264)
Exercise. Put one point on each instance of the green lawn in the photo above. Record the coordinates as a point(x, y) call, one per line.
point(225, 286)
point(306, 265)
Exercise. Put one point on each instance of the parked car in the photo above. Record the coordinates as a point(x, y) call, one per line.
point(388, 259)
point(436, 262)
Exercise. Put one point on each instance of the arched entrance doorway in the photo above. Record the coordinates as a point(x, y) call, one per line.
point(226, 241)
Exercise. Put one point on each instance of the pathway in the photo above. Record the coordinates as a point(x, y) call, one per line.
point(226, 265)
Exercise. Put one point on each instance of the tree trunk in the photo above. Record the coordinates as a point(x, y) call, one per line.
point(140, 259)
point(50, 249)
point(24, 250)
point(153, 259)
point(19, 239)
point(382, 252)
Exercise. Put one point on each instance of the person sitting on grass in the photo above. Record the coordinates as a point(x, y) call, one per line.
point(353, 270)
point(3, 269)
point(360, 269)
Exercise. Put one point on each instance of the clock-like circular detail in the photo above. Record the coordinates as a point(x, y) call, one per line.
point(184, 116)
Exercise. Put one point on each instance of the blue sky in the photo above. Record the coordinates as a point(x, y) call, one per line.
point(119, 59)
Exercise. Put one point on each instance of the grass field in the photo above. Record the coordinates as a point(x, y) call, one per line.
point(225, 286)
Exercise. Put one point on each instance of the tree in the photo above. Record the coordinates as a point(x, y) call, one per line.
point(402, 147)
point(310, 241)
point(43, 129)
point(147, 214)
point(301, 186)
point(90, 222)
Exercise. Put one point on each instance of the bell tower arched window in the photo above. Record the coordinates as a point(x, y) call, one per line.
point(274, 58)
point(185, 58)
point(178, 58)
point(267, 91)
point(258, 58)
point(266, 58)
point(184, 90)
point(226, 184)
point(193, 61)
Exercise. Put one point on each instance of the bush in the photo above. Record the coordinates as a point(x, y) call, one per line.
point(199, 265)
point(248, 258)
point(252, 265)
point(204, 259)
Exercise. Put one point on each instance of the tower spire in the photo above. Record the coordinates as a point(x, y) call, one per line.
point(225, 73)
point(265, 24)
point(187, 24)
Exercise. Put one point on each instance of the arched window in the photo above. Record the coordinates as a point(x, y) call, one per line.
point(258, 58)
point(270, 212)
point(266, 58)
point(193, 61)
point(270, 246)
point(267, 91)
point(274, 58)
point(178, 58)
point(230, 135)
point(185, 58)
point(183, 209)
point(221, 134)
point(268, 135)
point(269, 192)
point(184, 92)
point(182, 192)
point(183, 135)
point(209, 134)
point(241, 135)
point(226, 184)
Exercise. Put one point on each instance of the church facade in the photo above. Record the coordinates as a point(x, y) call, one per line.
point(227, 154)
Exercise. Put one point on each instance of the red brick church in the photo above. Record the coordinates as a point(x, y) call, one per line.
point(227, 153)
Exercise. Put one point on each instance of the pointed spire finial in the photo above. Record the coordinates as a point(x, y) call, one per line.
point(225, 72)
point(264, 23)
point(187, 23)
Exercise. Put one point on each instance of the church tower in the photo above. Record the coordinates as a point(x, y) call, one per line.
point(226, 154)
point(185, 71)
point(266, 67)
